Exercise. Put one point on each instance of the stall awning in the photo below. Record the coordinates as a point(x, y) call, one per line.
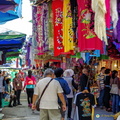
point(11, 15)
point(6, 5)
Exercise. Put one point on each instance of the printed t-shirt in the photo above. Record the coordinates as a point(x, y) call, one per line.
point(84, 103)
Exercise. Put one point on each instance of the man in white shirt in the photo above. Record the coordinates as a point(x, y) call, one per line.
point(49, 108)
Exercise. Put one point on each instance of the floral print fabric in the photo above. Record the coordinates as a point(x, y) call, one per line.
point(68, 33)
point(87, 39)
point(57, 8)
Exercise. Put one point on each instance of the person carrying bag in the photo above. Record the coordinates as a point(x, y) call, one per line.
point(38, 101)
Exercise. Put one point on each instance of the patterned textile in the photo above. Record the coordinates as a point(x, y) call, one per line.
point(57, 8)
point(34, 23)
point(68, 33)
point(87, 39)
point(50, 22)
point(42, 1)
point(42, 28)
point(118, 24)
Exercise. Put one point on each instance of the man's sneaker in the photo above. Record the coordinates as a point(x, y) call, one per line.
point(0, 109)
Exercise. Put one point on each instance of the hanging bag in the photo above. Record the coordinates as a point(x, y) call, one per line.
point(38, 101)
point(114, 89)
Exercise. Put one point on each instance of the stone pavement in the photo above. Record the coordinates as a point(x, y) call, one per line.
point(24, 113)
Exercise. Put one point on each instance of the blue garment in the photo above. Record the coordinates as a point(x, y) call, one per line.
point(101, 98)
point(115, 103)
point(7, 90)
point(64, 86)
point(30, 86)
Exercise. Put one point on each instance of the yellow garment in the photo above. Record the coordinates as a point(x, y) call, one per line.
point(68, 33)
point(93, 112)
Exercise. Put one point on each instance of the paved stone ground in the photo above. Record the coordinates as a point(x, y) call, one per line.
point(24, 113)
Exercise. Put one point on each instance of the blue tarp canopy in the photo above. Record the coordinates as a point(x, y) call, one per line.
point(12, 43)
point(7, 2)
point(11, 15)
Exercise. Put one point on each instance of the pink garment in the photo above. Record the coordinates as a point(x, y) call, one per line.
point(87, 39)
point(30, 81)
point(107, 16)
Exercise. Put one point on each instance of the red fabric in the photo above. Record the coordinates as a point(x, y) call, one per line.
point(107, 16)
point(30, 81)
point(87, 40)
point(57, 8)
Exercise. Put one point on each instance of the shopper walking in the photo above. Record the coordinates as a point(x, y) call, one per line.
point(17, 86)
point(115, 87)
point(107, 90)
point(101, 86)
point(49, 101)
point(65, 87)
point(30, 83)
point(68, 77)
point(1, 89)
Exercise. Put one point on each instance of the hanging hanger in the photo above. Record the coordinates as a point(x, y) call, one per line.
point(85, 91)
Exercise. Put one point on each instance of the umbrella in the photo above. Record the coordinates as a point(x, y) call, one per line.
point(6, 5)
point(11, 15)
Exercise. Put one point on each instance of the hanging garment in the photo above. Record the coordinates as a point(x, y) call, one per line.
point(117, 45)
point(50, 22)
point(41, 1)
point(42, 27)
point(100, 27)
point(74, 9)
point(34, 25)
point(39, 20)
point(87, 39)
point(107, 16)
point(45, 28)
point(114, 13)
point(84, 103)
point(112, 51)
point(118, 24)
point(57, 8)
point(68, 34)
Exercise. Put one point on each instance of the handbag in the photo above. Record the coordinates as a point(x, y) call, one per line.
point(38, 101)
point(114, 89)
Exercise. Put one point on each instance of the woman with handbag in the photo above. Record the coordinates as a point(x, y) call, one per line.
point(115, 91)
point(30, 83)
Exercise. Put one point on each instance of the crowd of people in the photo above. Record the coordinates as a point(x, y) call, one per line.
point(57, 89)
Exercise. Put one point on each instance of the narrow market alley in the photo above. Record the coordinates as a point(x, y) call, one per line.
point(24, 113)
